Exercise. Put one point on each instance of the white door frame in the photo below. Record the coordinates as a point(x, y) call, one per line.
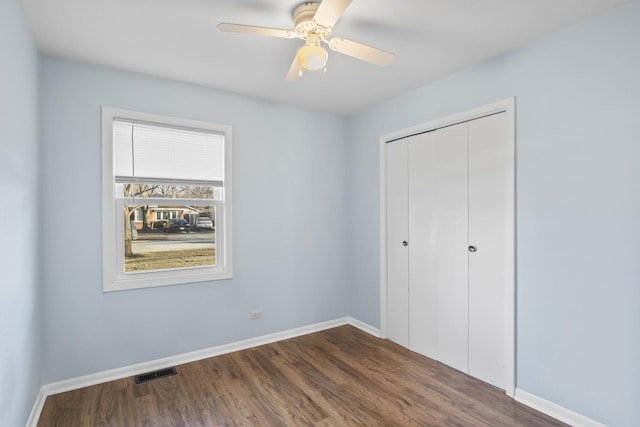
point(507, 106)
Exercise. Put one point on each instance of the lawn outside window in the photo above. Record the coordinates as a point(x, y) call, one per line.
point(166, 194)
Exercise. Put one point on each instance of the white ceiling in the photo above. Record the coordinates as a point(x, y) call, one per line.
point(178, 39)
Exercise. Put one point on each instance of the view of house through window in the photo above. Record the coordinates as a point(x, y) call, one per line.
point(163, 236)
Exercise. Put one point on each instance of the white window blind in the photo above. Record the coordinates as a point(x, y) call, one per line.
point(147, 152)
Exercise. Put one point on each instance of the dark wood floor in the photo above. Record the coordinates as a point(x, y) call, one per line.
point(338, 377)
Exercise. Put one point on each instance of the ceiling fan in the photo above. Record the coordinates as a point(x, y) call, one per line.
point(314, 24)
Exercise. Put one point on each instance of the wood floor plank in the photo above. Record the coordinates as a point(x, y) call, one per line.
point(338, 377)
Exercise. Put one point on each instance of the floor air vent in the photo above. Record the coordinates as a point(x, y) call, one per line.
point(155, 375)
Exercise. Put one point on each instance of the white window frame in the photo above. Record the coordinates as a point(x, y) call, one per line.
point(113, 276)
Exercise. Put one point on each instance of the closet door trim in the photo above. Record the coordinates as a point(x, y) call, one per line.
point(507, 106)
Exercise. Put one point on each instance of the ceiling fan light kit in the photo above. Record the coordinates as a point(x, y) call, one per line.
point(314, 24)
point(312, 56)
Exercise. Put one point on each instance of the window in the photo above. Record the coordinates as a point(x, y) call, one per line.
point(166, 200)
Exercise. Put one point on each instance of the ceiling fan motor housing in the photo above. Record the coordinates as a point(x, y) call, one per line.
point(305, 25)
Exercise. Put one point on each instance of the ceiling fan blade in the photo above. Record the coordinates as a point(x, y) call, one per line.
point(330, 11)
point(361, 51)
point(261, 31)
point(295, 72)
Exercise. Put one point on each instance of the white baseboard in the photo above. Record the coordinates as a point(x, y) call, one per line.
point(128, 371)
point(556, 411)
point(36, 410)
point(364, 327)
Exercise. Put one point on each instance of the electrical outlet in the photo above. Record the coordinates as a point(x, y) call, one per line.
point(256, 314)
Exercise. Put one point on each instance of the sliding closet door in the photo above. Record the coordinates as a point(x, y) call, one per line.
point(423, 285)
point(450, 196)
point(397, 243)
point(451, 226)
point(491, 225)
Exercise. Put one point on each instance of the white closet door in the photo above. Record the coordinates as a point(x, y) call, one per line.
point(452, 233)
point(397, 233)
point(423, 286)
point(491, 224)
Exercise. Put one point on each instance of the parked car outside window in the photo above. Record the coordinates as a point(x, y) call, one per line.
point(203, 223)
point(178, 224)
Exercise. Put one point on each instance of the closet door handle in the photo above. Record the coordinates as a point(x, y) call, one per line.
point(472, 249)
point(405, 243)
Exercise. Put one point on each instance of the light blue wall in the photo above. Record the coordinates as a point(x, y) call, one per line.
point(290, 210)
point(578, 206)
point(20, 321)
